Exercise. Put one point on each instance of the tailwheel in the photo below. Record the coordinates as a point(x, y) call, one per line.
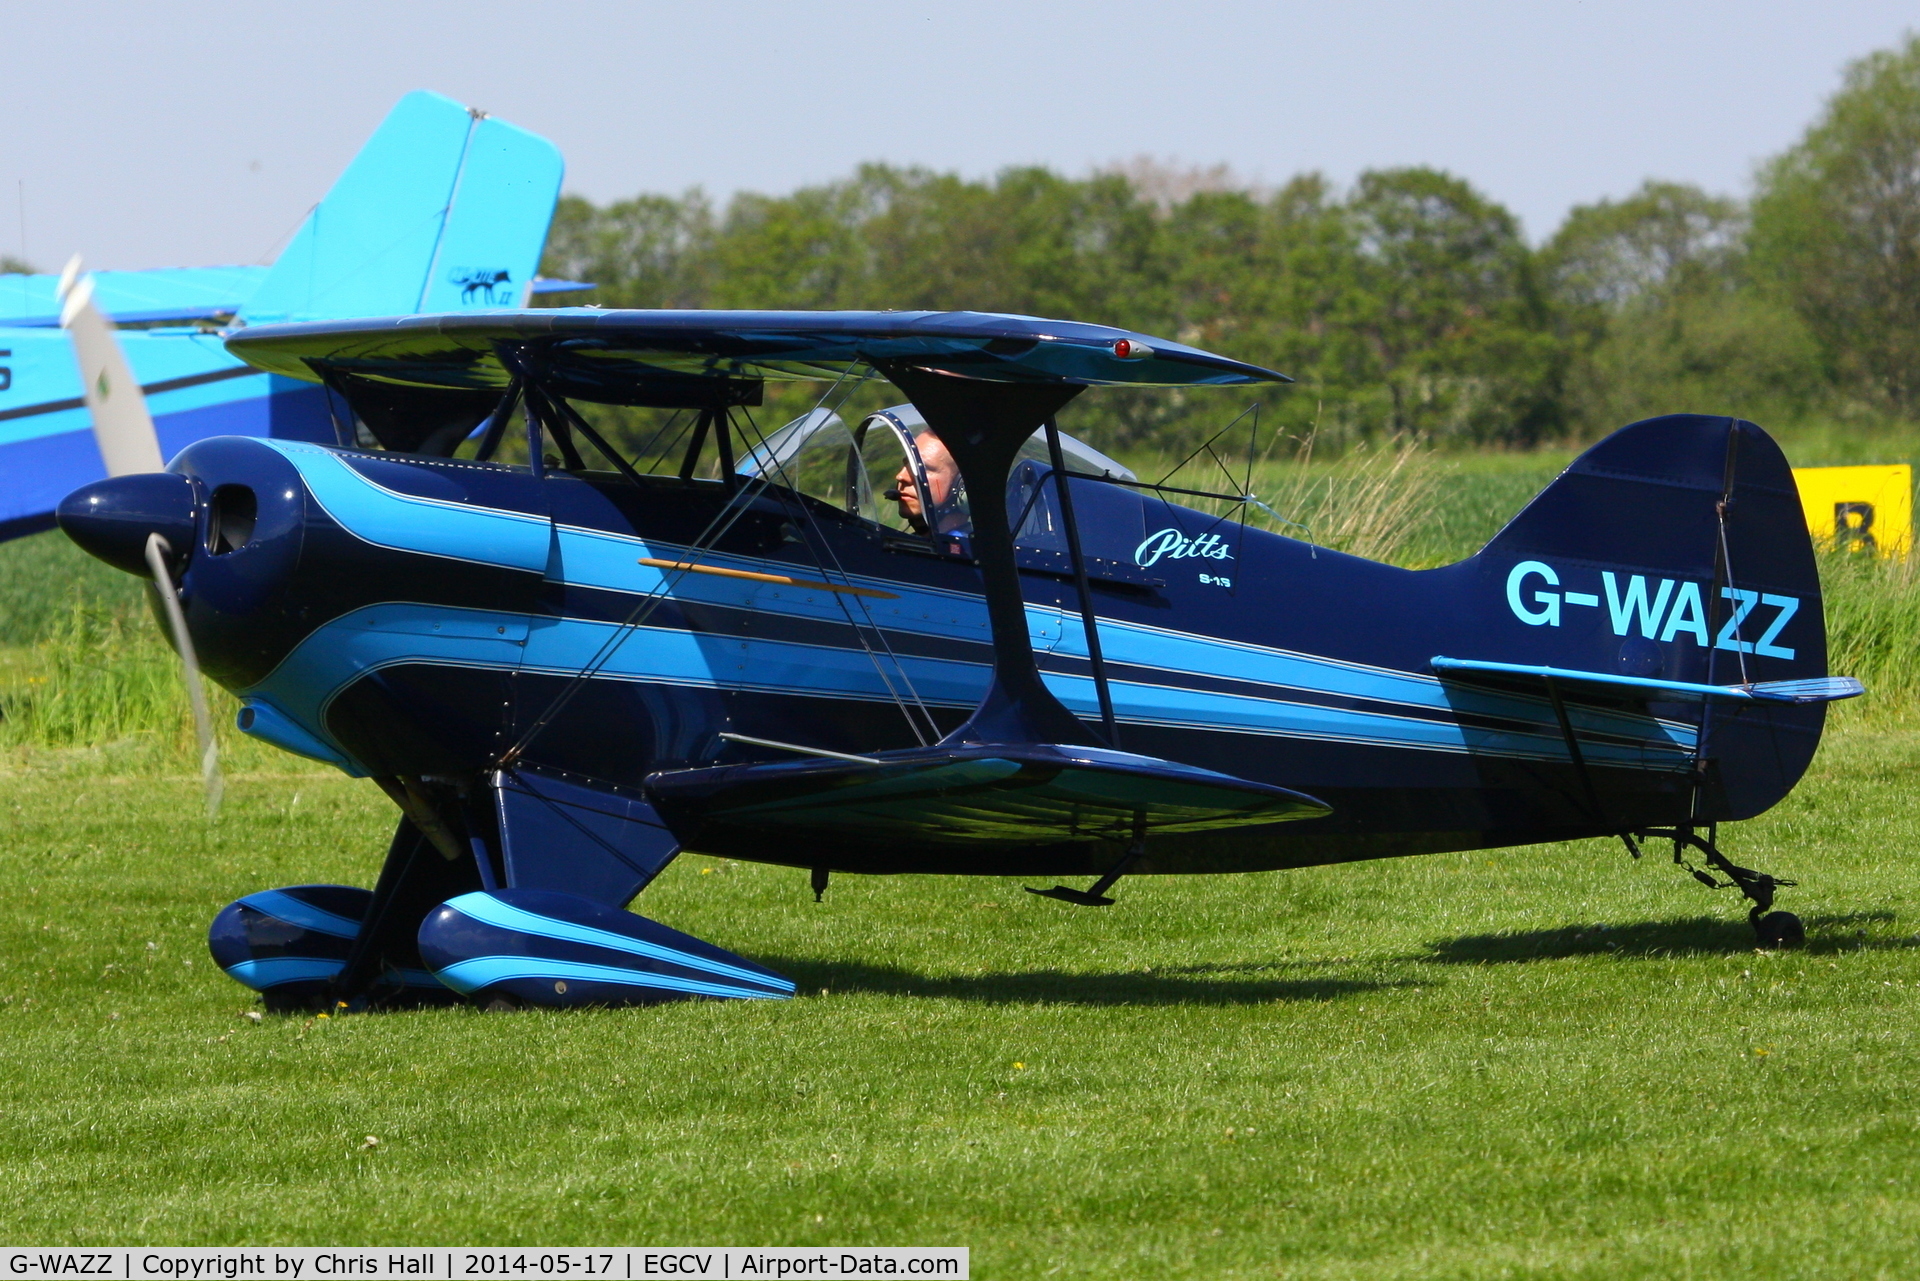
point(1773, 930)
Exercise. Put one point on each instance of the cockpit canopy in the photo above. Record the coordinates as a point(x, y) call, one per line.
point(863, 470)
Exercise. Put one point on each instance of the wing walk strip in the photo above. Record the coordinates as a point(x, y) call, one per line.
point(683, 566)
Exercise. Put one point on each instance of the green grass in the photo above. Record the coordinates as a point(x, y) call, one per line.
point(1547, 1062)
point(1543, 1062)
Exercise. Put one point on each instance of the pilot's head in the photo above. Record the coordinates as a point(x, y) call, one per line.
point(941, 474)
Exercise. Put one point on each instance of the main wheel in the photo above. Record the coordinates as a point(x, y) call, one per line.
point(1780, 929)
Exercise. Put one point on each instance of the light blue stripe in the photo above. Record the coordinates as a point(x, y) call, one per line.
point(272, 971)
point(747, 663)
point(285, 907)
point(608, 561)
point(385, 518)
point(377, 636)
point(359, 643)
point(1286, 671)
point(485, 971)
point(605, 561)
point(484, 907)
point(1177, 708)
point(382, 635)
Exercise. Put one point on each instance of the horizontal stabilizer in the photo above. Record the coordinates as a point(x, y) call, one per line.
point(1818, 689)
point(966, 794)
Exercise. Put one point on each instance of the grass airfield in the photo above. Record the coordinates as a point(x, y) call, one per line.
point(1536, 1062)
point(1546, 1062)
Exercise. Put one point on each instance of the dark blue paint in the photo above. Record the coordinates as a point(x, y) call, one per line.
point(113, 520)
point(593, 842)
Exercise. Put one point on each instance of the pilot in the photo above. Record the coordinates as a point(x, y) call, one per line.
point(943, 477)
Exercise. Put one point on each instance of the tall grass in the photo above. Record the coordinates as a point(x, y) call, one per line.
point(100, 677)
point(1873, 626)
point(1372, 500)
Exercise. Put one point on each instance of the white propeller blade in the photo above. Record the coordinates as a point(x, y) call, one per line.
point(122, 427)
point(216, 786)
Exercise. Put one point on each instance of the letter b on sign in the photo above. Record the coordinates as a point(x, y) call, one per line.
point(1859, 509)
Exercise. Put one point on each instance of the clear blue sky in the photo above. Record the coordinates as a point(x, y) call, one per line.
point(190, 133)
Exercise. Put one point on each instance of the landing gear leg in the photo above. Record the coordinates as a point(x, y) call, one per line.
point(1773, 929)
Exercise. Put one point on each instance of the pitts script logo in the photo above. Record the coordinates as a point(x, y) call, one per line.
point(1661, 612)
point(490, 286)
point(1171, 544)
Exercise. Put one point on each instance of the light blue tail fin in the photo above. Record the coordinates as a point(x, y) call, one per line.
point(444, 209)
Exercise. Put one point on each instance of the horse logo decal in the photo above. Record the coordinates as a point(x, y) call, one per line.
point(489, 286)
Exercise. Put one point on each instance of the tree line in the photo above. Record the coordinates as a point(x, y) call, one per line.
point(1409, 303)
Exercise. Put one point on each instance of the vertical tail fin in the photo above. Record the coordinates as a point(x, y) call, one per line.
point(1673, 549)
point(443, 209)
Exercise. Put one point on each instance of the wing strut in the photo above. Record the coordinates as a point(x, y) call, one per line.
point(1079, 561)
point(1579, 759)
point(983, 425)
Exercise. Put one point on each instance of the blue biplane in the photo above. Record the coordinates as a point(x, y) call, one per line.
point(444, 209)
point(947, 639)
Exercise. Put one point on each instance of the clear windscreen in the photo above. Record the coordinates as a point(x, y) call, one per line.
point(877, 470)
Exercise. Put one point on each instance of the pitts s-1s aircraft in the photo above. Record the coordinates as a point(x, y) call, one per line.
point(564, 674)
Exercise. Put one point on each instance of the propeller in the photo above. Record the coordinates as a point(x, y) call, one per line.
point(210, 777)
point(123, 429)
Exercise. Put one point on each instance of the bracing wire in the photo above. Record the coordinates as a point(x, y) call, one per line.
point(819, 537)
point(722, 522)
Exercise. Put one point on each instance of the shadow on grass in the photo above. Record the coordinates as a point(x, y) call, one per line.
point(1683, 936)
point(1200, 985)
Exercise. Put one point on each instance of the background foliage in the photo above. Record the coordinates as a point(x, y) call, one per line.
point(1409, 303)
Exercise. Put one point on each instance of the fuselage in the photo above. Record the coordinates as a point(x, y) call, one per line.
point(406, 616)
